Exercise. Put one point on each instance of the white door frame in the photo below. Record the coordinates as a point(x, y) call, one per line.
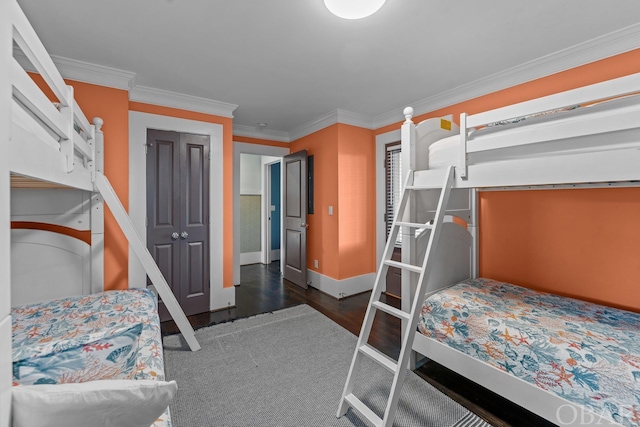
point(245, 148)
point(266, 209)
point(221, 297)
point(381, 231)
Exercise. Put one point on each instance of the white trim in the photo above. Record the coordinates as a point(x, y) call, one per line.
point(381, 230)
point(252, 132)
point(265, 212)
point(247, 258)
point(84, 71)
point(275, 255)
point(245, 148)
point(138, 125)
point(611, 44)
point(329, 119)
point(341, 288)
point(608, 45)
point(150, 95)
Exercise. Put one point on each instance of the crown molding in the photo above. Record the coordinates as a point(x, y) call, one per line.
point(84, 71)
point(149, 95)
point(120, 79)
point(252, 132)
point(611, 44)
point(337, 116)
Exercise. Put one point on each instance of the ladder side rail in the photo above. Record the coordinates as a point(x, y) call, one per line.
point(409, 334)
point(153, 271)
point(369, 315)
point(408, 162)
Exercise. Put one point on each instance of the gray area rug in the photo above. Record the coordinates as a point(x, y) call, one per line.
point(288, 369)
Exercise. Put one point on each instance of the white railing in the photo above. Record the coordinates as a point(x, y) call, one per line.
point(61, 117)
point(557, 102)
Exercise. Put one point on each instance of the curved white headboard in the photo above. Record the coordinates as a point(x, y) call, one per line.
point(47, 265)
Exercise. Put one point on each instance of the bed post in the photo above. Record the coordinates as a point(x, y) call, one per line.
point(97, 211)
point(463, 146)
point(6, 37)
point(474, 228)
point(407, 165)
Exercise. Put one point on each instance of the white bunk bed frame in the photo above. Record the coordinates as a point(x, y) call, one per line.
point(616, 161)
point(597, 144)
point(55, 146)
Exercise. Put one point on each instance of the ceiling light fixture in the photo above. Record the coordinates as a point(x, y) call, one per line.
point(353, 9)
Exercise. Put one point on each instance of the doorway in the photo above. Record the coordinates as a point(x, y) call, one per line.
point(239, 149)
point(259, 209)
point(272, 215)
point(177, 177)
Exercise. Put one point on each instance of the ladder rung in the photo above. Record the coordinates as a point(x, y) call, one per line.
point(363, 409)
point(421, 188)
point(391, 310)
point(379, 357)
point(414, 268)
point(414, 225)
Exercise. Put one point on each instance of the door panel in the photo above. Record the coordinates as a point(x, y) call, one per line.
point(178, 212)
point(195, 185)
point(295, 218)
point(293, 249)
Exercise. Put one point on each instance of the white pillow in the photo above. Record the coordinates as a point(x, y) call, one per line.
point(105, 403)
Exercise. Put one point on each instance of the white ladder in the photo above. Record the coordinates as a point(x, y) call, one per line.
point(400, 367)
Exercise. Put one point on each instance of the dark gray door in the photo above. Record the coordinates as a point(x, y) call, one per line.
point(295, 218)
point(178, 215)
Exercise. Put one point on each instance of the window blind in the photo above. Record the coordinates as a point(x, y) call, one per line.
point(393, 180)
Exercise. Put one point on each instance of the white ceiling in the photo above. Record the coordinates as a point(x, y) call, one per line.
point(288, 62)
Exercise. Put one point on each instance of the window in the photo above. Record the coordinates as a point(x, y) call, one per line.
point(393, 184)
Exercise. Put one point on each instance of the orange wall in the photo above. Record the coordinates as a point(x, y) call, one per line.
point(582, 242)
point(322, 237)
point(563, 241)
point(356, 201)
point(344, 178)
point(260, 141)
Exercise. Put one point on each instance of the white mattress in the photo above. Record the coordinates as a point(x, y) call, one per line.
point(446, 152)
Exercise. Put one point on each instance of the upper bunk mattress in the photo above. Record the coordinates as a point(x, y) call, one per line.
point(583, 122)
point(586, 353)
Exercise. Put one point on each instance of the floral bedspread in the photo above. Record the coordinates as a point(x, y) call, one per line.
point(586, 353)
point(63, 324)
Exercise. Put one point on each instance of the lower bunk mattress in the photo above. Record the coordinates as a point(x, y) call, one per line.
point(108, 335)
point(586, 353)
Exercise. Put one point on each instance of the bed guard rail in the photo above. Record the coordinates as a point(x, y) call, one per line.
point(570, 99)
point(62, 118)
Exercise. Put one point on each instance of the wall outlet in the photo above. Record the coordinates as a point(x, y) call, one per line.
point(315, 263)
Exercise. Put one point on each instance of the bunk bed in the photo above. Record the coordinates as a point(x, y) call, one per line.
point(569, 361)
point(78, 353)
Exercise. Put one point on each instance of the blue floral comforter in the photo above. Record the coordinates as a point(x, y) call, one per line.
point(78, 338)
point(586, 353)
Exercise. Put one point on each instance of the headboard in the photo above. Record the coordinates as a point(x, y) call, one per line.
point(47, 265)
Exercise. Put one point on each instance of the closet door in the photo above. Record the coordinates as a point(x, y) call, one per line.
point(178, 215)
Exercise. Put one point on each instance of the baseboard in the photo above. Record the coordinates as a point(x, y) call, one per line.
point(341, 288)
point(275, 255)
point(250, 258)
point(222, 298)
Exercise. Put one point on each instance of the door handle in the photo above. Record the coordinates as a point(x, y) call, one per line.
point(304, 225)
point(184, 235)
point(174, 235)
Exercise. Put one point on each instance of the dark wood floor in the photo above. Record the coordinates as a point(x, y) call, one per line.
point(263, 290)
